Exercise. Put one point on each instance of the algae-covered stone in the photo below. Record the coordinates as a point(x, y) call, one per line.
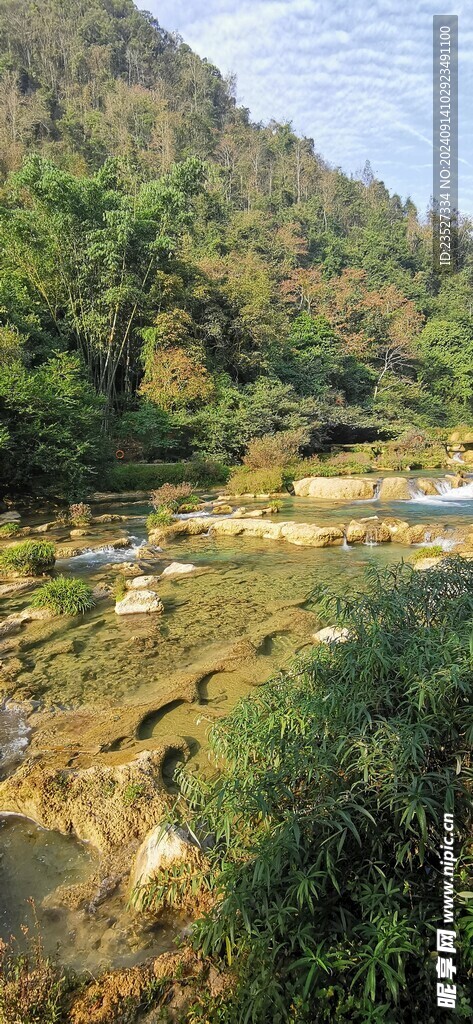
point(139, 602)
point(178, 569)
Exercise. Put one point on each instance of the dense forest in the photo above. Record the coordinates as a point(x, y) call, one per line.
point(176, 280)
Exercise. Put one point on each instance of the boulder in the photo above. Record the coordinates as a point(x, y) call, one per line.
point(141, 582)
point(311, 536)
point(9, 517)
point(222, 510)
point(395, 488)
point(161, 849)
point(334, 488)
point(455, 481)
point(331, 635)
point(356, 532)
point(139, 602)
point(427, 563)
point(427, 485)
point(178, 569)
point(80, 532)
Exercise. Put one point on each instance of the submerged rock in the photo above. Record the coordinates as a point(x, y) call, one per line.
point(142, 582)
point(139, 602)
point(178, 569)
point(334, 488)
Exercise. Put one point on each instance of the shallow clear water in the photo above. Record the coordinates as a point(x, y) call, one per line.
point(250, 588)
point(34, 862)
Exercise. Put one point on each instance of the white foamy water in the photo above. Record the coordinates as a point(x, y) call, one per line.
point(14, 737)
point(446, 494)
point(107, 553)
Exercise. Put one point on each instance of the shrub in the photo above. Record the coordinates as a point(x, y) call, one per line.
point(80, 514)
point(434, 551)
point(270, 450)
point(258, 481)
point(275, 506)
point(64, 596)
point(144, 477)
point(30, 558)
point(162, 517)
point(9, 529)
point(33, 990)
point(172, 496)
point(327, 814)
point(119, 588)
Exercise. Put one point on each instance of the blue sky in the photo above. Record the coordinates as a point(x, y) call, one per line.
point(356, 78)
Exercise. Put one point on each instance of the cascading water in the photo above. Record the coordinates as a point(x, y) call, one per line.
point(445, 493)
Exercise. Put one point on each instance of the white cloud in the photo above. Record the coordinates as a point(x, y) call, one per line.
point(355, 78)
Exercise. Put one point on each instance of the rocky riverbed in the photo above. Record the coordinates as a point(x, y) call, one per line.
point(110, 703)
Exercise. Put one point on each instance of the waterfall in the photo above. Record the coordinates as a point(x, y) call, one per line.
point(445, 493)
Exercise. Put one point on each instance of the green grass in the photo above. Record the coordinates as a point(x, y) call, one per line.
point(138, 476)
point(9, 529)
point(64, 596)
point(162, 517)
point(30, 558)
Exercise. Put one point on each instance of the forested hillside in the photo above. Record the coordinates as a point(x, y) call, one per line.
point(180, 280)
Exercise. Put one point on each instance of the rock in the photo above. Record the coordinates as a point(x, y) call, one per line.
point(18, 586)
point(43, 528)
point(426, 485)
point(334, 488)
point(110, 518)
point(356, 532)
point(256, 513)
point(427, 563)
point(312, 536)
point(331, 635)
point(72, 552)
point(222, 510)
point(178, 569)
point(142, 582)
point(139, 603)
point(9, 517)
point(101, 591)
point(455, 481)
point(239, 512)
point(113, 497)
point(395, 488)
point(79, 533)
point(161, 849)
point(125, 568)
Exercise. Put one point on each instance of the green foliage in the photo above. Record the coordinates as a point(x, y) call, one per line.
point(323, 825)
point(64, 596)
point(162, 517)
point(133, 792)
point(434, 551)
point(139, 476)
point(53, 418)
point(80, 514)
point(270, 450)
point(256, 481)
point(9, 529)
point(29, 558)
point(119, 588)
point(173, 496)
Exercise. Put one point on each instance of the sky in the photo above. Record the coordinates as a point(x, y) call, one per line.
point(354, 77)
